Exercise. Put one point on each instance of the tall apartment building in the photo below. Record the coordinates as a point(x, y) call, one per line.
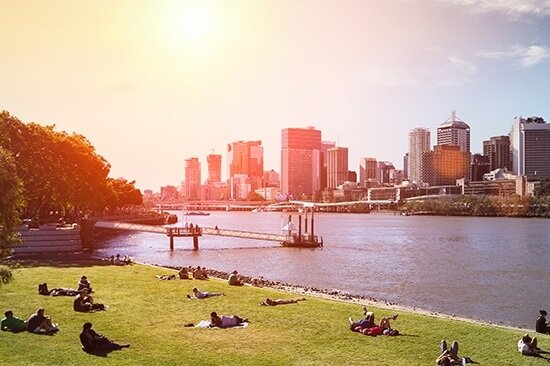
point(367, 170)
point(337, 166)
point(497, 149)
point(325, 145)
point(444, 165)
point(214, 162)
point(192, 178)
point(454, 131)
point(300, 161)
point(530, 147)
point(246, 157)
point(419, 142)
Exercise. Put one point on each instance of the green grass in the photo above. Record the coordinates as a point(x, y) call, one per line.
point(150, 314)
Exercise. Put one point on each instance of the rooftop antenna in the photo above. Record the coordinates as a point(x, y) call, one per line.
point(453, 113)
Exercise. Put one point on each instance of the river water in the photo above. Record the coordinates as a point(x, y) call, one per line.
point(491, 269)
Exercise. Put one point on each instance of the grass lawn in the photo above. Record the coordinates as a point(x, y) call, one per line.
point(150, 314)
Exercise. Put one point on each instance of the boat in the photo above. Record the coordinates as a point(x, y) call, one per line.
point(197, 213)
point(303, 241)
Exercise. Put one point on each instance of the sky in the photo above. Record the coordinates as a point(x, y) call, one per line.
point(152, 83)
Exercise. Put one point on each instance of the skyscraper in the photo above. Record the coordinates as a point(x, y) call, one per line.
point(444, 165)
point(497, 149)
point(300, 161)
point(406, 166)
point(419, 141)
point(246, 157)
point(454, 131)
point(530, 147)
point(337, 166)
point(214, 162)
point(325, 145)
point(192, 178)
point(367, 170)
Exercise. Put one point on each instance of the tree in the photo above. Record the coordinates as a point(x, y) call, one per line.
point(253, 196)
point(543, 189)
point(11, 204)
point(123, 193)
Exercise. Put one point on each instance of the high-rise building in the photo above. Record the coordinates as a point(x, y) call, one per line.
point(385, 172)
point(325, 145)
point(497, 149)
point(454, 131)
point(367, 170)
point(530, 147)
point(300, 161)
point(246, 157)
point(419, 142)
point(337, 166)
point(481, 164)
point(168, 193)
point(214, 162)
point(192, 178)
point(406, 166)
point(444, 165)
point(272, 179)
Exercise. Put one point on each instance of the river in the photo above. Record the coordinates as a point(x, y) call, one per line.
point(492, 269)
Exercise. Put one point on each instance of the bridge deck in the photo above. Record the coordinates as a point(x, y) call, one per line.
point(204, 231)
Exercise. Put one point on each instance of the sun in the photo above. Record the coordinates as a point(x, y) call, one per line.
point(193, 22)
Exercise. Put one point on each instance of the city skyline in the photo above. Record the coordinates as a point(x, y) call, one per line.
point(151, 84)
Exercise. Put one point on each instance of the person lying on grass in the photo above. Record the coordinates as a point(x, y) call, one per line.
point(198, 294)
point(58, 291)
point(367, 326)
point(12, 323)
point(39, 323)
point(225, 321)
point(270, 302)
point(527, 346)
point(84, 302)
point(449, 357)
point(166, 277)
point(93, 342)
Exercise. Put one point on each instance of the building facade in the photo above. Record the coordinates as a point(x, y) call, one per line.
point(497, 149)
point(530, 147)
point(419, 142)
point(454, 131)
point(337, 166)
point(480, 165)
point(214, 162)
point(246, 157)
point(367, 170)
point(192, 178)
point(444, 165)
point(325, 145)
point(300, 161)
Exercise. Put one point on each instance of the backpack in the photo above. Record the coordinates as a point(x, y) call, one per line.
point(43, 289)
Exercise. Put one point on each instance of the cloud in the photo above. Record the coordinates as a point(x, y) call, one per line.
point(527, 56)
point(512, 8)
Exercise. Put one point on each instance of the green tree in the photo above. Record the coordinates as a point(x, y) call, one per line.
point(253, 196)
point(11, 204)
point(123, 193)
point(543, 189)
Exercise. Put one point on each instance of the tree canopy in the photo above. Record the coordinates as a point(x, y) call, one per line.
point(61, 171)
point(11, 202)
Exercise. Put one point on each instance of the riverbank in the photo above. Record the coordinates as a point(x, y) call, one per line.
point(151, 314)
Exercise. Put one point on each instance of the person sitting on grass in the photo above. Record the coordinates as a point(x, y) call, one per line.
point(198, 294)
point(527, 346)
point(542, 326)
point(270, 302)
point(234, 279)
point(225, 321)
point(183, 273)
point(12, 324)
point(84, 284)
point(39, 323)
point(200, 274)
point(93, 342)
point(83, 302)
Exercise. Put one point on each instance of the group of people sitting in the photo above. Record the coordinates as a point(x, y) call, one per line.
point(84, 302)
point(117, 261)
point(367, 326)
point(37, 323)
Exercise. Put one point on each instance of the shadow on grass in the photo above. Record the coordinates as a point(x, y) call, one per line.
point(104, 350)
point(54, 260)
